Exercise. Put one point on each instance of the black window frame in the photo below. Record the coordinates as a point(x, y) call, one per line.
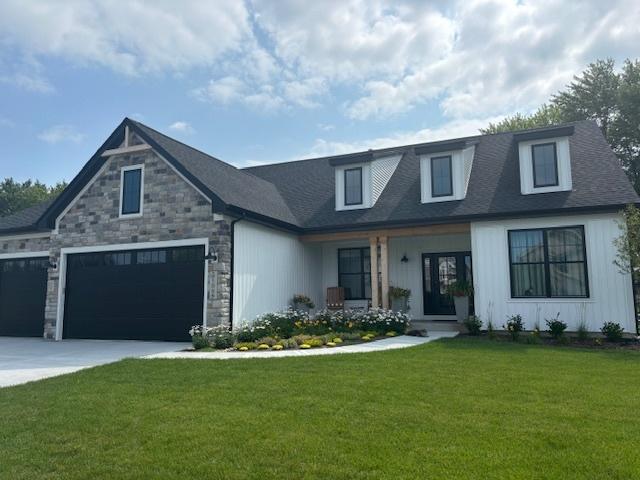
point(546, 262)
point(359, 169)
point(555, 162)
point(123, 212)
point(450, 160)
point(363, 273)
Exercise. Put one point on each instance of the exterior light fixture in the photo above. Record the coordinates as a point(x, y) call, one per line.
point(404, 258)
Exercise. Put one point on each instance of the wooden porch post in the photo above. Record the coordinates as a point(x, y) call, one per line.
point(384, 271)
point(373, 245)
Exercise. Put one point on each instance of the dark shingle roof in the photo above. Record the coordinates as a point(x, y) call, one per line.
point(300, 195)
point(235, 187)
point(494, 186)
point(24, 219)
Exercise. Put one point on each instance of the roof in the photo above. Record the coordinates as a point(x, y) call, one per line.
point(300, 195)
point(25, 219)
point(599, 183)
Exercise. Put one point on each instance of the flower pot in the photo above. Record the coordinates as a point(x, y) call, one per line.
point(462, 308)
point(399, 304)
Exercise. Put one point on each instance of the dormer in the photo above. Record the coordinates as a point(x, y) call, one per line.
point(361, 178)
point(545, 160)
point(445, 169)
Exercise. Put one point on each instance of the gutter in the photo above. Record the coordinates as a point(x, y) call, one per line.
point(231, 267)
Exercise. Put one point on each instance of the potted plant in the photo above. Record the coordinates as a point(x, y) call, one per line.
point(302, 303)
point(460, 290)
point(399, 299)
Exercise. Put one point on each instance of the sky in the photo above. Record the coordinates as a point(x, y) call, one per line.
point(255, 82)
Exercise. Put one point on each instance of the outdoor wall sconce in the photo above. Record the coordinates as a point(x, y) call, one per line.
point(53, 265)
point(213, 256)
point(404, 258)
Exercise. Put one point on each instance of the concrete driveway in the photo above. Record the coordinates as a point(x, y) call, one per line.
point(24, 360)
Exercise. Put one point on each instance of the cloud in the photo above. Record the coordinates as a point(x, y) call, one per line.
point(132, 39)
point(182, 127)
point(452, 129)
point(6, 123)
point(61, 133)
point(29, 82)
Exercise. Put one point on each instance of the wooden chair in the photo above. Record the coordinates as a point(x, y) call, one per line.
point(335, 298)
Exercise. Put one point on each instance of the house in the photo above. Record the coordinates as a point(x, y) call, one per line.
point(153, 236)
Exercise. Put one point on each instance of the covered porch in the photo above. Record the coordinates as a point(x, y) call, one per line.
point(425, 260)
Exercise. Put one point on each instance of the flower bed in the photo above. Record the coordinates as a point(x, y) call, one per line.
point(292, 329)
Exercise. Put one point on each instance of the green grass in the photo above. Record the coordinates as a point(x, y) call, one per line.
point(462, 408)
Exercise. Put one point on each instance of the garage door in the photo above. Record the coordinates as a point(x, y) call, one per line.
point(23, 290)
point(137, 294)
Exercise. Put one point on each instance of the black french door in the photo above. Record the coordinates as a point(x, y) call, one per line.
point(439, 270)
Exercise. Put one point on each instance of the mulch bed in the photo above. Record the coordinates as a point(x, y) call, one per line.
point(595, 343)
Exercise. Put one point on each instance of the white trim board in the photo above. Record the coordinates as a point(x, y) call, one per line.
point(18, 255)
point(66, 251)
point(25, 236)
point(140, 211)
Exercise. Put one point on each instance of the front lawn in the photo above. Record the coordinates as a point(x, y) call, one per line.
point(460, 408)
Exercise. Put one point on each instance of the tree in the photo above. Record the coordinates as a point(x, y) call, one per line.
point(545, 116)
point(610, 98)
point(16, 196)
point(628, 243)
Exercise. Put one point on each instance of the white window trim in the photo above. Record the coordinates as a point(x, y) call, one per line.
point(366, 187)
point(563, 166)
point(122, 171)
point(19, 255)
point(456, 174)
point(65, 252)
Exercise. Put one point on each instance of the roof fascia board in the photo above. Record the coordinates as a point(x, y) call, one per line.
point(441, 147)
point(546, 133)
point(351, 158)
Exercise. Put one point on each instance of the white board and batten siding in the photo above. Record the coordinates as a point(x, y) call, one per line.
point(270, 267)
point(611, 293)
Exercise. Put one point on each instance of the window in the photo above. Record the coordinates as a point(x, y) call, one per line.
point(353, 186)
point(131, 191)
point(545, 165)
point(441, 178)
point(548, 263)
point(354, 272)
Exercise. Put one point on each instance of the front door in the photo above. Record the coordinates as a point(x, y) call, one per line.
point(439, 270)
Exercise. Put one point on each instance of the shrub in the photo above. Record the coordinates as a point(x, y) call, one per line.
point(300, 339)
point(245, 345)
point(283, 324)
point(304, 300)
point(556, 326)
point(269, 341)
point(261, 327)
point(287, 343)
point(382, 321)
point(473, 324)
point(459, 288)
point(350, 336)
point(263, 346)
point(491, 331)
point(198, 342)
point(514, 326)
point(220, 337)
point(277, 347)
point(533, 339)
point(536, 329)
point(582, 332)
point(612, 331)
point(315, 342)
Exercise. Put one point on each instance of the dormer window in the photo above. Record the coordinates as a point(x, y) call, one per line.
point(545, 160)
point(441, 176)
point(545, 165)
point(131, 191)
point(353, 186)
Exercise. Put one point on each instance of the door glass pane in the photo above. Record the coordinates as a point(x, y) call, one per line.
point(447, 273)
point(352, 284)
point(427, 274)
point(350, 260)
point(544, 165)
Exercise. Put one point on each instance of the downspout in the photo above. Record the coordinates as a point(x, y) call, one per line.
point(231, 268)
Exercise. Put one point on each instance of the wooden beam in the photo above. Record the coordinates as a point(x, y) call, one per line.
point(384, 270)
point(449, 228)
point(373, 245)
point(126, 150)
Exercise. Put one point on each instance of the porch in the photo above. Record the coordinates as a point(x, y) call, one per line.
point(425, 260)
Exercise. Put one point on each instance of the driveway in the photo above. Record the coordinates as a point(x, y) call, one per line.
point(24, 360)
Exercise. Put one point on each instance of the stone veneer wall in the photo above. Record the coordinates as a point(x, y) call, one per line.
point(173, 210)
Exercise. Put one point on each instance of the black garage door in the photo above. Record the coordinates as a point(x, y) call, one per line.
point(136, 294)
point(23, 290)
